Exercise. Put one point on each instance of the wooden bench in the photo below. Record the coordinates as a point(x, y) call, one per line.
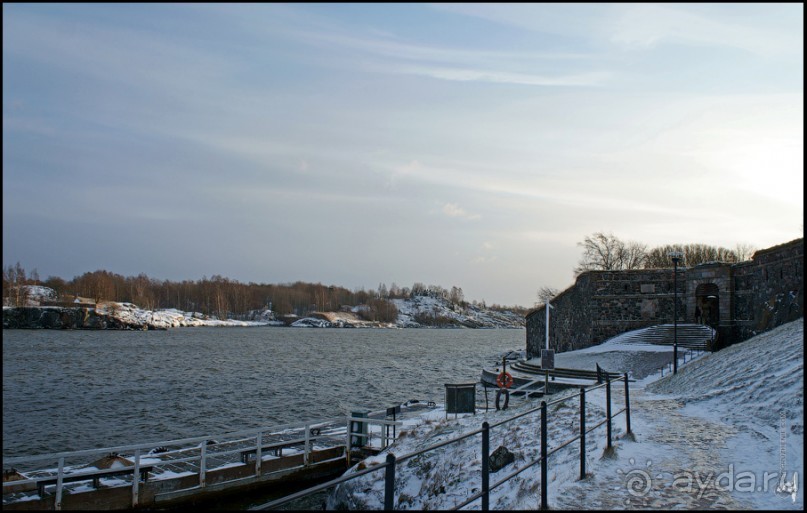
point(96, 477)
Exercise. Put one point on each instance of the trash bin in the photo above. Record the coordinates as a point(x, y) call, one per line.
point(460, 398)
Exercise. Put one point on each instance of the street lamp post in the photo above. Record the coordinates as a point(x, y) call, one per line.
point(548, 306)
point(676, 256)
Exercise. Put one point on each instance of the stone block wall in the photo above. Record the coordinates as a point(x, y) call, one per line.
point(602, 304)
point(753, 297)
point(769, 291)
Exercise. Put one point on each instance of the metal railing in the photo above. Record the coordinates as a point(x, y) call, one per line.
point(693, 353)
point(197, 455)
point(389, 466)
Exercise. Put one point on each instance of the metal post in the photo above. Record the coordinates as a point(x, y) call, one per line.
point(627, 404)
point(582, 432)
point(136, 478)
point(675, 257)
point(203, 465)
point(58, 504)
point(544, 457)
point(547, 324)
point(307, 440)
point(258, 454)
point(675, 317)
point(347, 440)
point(389, 483)
point(485, 386)
point(485, 466)
point(608, 408)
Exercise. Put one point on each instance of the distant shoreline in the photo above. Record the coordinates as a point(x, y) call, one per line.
point(94, 318)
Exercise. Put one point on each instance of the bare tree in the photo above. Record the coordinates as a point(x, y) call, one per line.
point(545, 294)
point(632, 255)
point(603, 252)
point(693, 254)
point(15, 293)
point(659, 257)
point(744, 252)
point(456, 296)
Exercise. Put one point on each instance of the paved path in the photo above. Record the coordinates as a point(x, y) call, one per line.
point(678, 471)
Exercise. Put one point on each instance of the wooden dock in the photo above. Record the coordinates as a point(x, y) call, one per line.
point(172, 473)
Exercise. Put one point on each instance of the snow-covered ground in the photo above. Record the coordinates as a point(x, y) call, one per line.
point(726, 432)
point(471, 316)
point(168, 318)
point(40, 293)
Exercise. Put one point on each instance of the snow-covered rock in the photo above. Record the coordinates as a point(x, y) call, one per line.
point(443, 313)
point(311, 322)
point(167, 318)
point(415, 312)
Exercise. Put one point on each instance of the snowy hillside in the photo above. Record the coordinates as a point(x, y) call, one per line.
point(40, 293)
point(168, 318)
point(716, 435)
point(437, 308)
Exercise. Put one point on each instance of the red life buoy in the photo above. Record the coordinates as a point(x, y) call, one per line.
point(504, 380)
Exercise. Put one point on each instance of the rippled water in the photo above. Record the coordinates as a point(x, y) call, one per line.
point(73, 390)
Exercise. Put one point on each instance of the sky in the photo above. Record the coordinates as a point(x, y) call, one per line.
point(469, 145)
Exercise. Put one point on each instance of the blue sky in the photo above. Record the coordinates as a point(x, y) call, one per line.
point(352, 144)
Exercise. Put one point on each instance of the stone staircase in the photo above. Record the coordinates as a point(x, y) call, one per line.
point(691, 336)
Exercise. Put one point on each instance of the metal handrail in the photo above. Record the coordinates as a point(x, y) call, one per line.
point(128, 448)
point(392, 460)
point(317, 488)
point(438, 445)
point(250, 439)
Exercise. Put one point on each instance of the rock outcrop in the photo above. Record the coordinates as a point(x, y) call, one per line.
point(57, 317)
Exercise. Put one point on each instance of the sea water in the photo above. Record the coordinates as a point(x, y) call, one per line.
point(72, 390)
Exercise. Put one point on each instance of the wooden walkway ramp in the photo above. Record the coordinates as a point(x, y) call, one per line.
point(167, 474)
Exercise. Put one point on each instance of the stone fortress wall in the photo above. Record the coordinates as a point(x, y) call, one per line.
point(739, 300)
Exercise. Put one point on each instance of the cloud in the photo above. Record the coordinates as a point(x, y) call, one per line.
point(568, 19)
point(503, 77)
point(480, 260)
point(646, 25)
point(123, 56)
point(454, 210)
point(754, 28)
point(370, 49)
point(389, 46)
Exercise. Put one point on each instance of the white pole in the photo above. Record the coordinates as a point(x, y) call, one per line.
point(136, 479)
